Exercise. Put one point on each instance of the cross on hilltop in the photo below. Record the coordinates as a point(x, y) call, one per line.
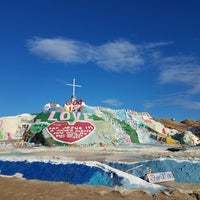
point(73, 88)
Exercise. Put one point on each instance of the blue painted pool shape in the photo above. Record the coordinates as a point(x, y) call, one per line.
point(76, 173)
point(72, 173)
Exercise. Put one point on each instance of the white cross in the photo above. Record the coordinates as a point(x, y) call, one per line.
point(74, 85)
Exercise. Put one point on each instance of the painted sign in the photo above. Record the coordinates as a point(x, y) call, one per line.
point(65, 116)
point(160, 177)
point(70, 133)
point(73, 106)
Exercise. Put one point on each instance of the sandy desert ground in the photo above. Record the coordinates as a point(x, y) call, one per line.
point(20, 189)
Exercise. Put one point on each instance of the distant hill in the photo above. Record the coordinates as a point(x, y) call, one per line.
point(180, 126)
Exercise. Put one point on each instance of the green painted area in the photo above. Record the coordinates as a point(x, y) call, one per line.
point(147, 127)
point(126, 127)
point(96, 118)
point(1, 135)
point(36, 128)
point(43, 117)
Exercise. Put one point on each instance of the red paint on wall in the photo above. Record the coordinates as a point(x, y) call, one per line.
point(70, 133)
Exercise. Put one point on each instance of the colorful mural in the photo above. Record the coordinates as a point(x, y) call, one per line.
point(97, 126)
point(85, 126)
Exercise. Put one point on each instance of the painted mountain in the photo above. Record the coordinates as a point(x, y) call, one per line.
point(77, 124)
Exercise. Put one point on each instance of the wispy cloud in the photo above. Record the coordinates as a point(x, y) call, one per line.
point(157, 44)
point(183, 69)
point(178, 99)
point(117, 56)
point(113, 102)
point(61, 50)
point(188, 103)
point(177, 69)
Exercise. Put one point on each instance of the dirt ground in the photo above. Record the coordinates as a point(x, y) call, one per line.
point(13, 188)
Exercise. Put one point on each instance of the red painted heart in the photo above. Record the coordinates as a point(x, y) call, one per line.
point(70, 133)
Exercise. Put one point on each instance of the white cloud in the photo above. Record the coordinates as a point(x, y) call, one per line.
point(157, 44)
point(181, 69)
point(113, 56)
point(119, 56)
point(61, 50)
point(113, 102)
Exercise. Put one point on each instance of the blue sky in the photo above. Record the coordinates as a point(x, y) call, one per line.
point(142, 55)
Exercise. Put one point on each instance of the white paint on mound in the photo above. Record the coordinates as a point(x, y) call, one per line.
point(12, 127)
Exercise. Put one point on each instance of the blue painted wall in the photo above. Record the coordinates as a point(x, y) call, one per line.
point(72, 173)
